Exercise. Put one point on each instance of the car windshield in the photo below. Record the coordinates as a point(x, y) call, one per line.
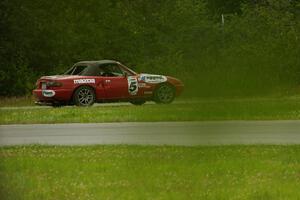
point(110, 70)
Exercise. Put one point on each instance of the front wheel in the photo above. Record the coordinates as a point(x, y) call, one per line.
point(164, 94)
point(84, 96)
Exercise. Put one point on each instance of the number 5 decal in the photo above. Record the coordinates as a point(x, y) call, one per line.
point(132, 85)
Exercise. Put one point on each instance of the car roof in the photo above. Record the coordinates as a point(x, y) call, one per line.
point(97, 62)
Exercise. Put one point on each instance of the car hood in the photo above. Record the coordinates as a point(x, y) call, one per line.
point(156, 78)
point(152, 78)
point(174, 80)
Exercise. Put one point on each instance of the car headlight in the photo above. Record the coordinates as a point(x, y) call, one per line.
point(53, 84)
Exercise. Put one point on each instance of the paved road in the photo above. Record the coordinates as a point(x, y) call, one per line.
point(155, 133)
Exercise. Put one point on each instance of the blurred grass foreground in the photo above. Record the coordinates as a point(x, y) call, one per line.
point(150, 172)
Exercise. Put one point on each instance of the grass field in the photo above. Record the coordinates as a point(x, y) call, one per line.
point(16, 101)
point(214, 109)
point(150, 172)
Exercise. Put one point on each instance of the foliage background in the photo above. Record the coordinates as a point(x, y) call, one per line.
point(256, 51)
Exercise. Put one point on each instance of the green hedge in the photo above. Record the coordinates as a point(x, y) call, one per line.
point(255, 51)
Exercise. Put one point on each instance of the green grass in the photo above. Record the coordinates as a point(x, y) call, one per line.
point(230, 109)
point(150, 172)
point(16, 101)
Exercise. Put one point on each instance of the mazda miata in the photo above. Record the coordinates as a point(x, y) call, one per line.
point(88, 82)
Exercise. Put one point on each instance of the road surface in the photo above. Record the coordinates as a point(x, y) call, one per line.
point(154, 133)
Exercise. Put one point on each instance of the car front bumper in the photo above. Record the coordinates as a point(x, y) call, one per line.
point(51, 96)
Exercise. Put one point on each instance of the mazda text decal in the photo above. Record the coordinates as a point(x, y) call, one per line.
point(132, 85)
point(80, 81)
point(151, 78)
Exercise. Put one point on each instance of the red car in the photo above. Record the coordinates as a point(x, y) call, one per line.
point(105, 81)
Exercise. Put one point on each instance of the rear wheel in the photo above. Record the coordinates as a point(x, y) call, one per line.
point(84, 96)
point(164, 94)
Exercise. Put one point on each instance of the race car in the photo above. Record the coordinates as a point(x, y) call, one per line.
point(88, 82)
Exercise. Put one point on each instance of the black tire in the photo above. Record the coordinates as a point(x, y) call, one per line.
point(137, 102)
point(164, 94)
point(84, 96)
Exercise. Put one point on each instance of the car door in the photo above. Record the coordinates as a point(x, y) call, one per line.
point(115, 83)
